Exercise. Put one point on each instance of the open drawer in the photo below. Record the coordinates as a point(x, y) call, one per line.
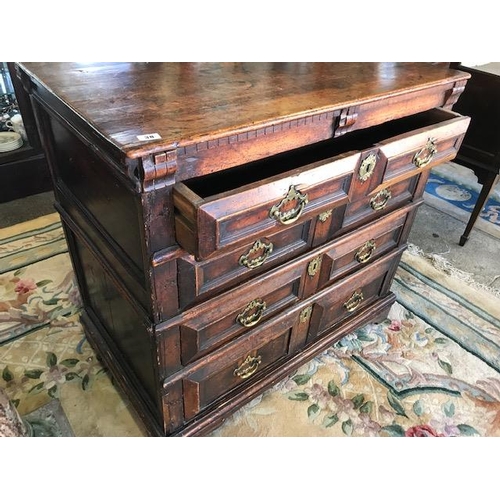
point(227, 210)
point(233, 207)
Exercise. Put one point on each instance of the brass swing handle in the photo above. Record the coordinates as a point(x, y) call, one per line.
point(252, 313)
point(365, 253)
point(380, 200)
point(248, 367)
point(354, 301)
point(425, 155)
point(257, 255)
point(285, 215)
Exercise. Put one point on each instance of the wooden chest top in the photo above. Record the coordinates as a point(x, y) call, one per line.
point(189, 103)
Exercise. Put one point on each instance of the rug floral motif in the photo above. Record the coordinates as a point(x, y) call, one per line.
point(431, 369)
point(353, 389)
point(43, 353)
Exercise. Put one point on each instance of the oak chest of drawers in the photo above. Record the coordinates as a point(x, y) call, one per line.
point(227, 222)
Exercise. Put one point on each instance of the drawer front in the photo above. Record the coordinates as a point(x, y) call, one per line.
point(378, 203)
point(353, 294)
point(364, 246)
point(237, 363)
point(197, 278)
point(424, 148)
point(206, 327)
point(222, 221)
point(434, 138)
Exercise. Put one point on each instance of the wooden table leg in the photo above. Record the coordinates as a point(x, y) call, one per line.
point(490, 180)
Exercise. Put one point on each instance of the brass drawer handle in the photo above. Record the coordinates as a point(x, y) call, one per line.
point(365, 253)
point(252, 313)
point(354, 301)
point(425, 155)
point(285, 215)
point(380, 200)
point(248, 367)
point(261, 252)
point(367, 167)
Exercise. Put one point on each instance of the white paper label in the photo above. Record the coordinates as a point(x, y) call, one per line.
point(148, 137)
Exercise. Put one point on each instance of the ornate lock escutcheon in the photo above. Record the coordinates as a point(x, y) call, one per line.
point(248, 367)
point(425, 155)
point(365, 253)
point(354, 301)
point(252, 313)
point(290, 208)
point(367, 167)
point(257, 255)
point(305, 314)
point(380, 200)
point(314, 265)
point(324, 216)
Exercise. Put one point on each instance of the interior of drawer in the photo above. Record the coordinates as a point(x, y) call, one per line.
point(242, 175)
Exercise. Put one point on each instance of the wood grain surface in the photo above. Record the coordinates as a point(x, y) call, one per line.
point(188, 102)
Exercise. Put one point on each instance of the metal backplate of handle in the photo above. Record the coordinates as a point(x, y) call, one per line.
point(365, 253)
point(248, 367)
point(380, 200)
point(354, 301)
point(252, 313)
point(426, 154)
point(290, 208)
point(257, 255)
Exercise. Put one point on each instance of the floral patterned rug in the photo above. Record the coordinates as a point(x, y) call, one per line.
point(431, 369)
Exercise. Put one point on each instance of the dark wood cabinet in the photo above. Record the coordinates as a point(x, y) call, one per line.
point(480, 150)
point(24, 171)
point(229, 221)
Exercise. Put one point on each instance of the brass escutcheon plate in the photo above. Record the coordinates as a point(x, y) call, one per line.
point(314, 266)
point(324, 216)
point(305, 314)
point(367, 167)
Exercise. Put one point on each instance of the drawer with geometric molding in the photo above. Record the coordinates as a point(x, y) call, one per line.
point(403, 148)
point(380, 202)
point(198, 278)
point(206, 326)
point(356, 250)
point(352, 294)
point(240, 206)
point(236, 362)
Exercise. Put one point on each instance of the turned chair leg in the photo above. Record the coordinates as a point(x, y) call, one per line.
point(488, 186)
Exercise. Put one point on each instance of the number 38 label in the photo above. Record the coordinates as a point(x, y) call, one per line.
point(148, 137)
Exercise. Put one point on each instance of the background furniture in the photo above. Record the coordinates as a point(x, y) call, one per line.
point(229, 221)
point(24, 171)
point(480, 150)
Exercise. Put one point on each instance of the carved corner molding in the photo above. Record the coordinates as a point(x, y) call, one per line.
point(347, 119)
point(452, 95)
point(157, 171)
